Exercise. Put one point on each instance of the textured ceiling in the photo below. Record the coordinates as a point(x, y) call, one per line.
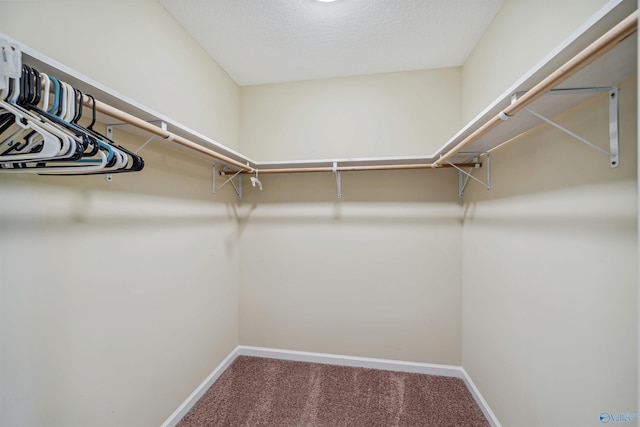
point(269, 41)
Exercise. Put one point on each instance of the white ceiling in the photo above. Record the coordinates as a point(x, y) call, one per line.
point(270, 41)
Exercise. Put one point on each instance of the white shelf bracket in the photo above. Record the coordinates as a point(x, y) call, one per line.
point(464, 176)
point(213, 179)
point(614, 135)
point(338, 179)
point(163, 126)
point(151, 138)
point(614, 141)
point(110, 127)
point(238, 187)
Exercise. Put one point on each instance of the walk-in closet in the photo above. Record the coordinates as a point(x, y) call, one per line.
point(421, 190)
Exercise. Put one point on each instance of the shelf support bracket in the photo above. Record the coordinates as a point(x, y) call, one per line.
point(614, 140)
point(213, 179)
point(237, 187)
point(151, 138)
point(614, 128)
point(338, 179)
point(163, 126)
point(464, 176)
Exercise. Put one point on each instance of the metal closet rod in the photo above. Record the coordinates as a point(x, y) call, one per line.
point(592, 52)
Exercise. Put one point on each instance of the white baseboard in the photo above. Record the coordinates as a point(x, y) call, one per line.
point(333, 359)
point(353, 361)
point(484, 407)
point(182, 410)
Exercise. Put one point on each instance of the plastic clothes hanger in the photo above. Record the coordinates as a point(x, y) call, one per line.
point(89, 142)
point(60, 106)
point(29, 92)
point(31, 86)
point(27, 122)
point(125, 161)
point(136, 163)
point(41, 134)
point(23, 124)
point(89, 146)
point(255, 180)
point(34, 164)
point(25, 136)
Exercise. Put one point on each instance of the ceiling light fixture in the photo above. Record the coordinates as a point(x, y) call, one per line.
point(326, 1)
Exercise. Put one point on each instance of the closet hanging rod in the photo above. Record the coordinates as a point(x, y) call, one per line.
point(166, 135)
point(360, 168)
point(602, 45)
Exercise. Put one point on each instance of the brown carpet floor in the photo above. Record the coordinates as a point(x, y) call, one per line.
point(267, 392)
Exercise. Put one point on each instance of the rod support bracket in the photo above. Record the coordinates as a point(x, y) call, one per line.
point(163, 125)
point(338, 179)
point(614, 128)
point(464, 176)
point(614, 134)
point(213, 179)
point(236, 185)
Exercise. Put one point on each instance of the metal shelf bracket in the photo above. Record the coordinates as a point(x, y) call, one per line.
point(614, 141)
point(163, 126)
point(338, 179)
point(464, 176)
point(237, 175)
point(213, 179)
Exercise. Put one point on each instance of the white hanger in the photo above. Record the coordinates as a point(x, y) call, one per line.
point(51, 145)
point(67, 144)
point(255, 180)
point(55, 142)
point(70, 168)
point(45, 91)
point(32, 128)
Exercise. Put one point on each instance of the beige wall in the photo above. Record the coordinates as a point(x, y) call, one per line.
point(118, 299)
point(376, 274)
point(137, 49)
point(550, 255)
point(520, 36)
point(410, 113)
point(550, 274)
